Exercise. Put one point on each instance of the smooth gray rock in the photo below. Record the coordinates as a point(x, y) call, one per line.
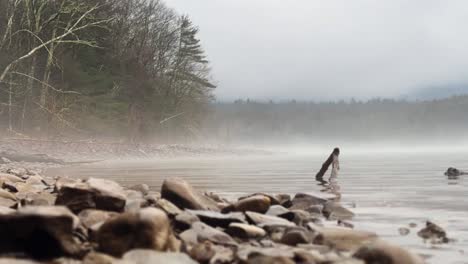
point(184, 196)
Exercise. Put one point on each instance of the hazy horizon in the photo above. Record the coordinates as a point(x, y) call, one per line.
point(331, 50)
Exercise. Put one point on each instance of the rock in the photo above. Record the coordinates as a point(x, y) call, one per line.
point(403, 231)
point(453, 172)
point(256, 203)
point(276, 210)
point(168, 207)
point(6, 210)
point(90, 217)
point(36, 199)
point(296, 236)
point(303, 201)
point(222, 255)
point(151, 257)
point(384, 253)
point(92, 194)
point(49, 227)
point(284, 200)
point(216, 219)
point(184, 221)
point(434, 233)
point(300, 217)
point(202, 252)
point(267, 220)
point(200, 232)
point(245, 231)
point(341, 238)
point(17, 261)
point(334, 211)
point(7, 203)
point(142, 188)
point(7, 195)
point(148, 229)
point(412, 225)
point(5, 177)
point(180, 193)
point(9, 186)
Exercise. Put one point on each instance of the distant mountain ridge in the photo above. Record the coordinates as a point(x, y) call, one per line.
point(437, 92)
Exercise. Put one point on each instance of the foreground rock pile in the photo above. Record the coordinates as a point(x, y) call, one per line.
point(97, 221)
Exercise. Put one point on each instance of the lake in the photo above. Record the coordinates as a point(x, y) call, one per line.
point(386, 191)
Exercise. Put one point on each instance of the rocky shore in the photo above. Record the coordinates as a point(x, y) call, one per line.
point(64, 220)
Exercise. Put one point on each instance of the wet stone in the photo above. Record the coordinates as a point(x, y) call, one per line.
point(267, 220)
point(202, 252)
point(296, 236)
point(184, 196)
point(184, 221)
point(303, 201)
point(200, 232)
point(335, 211)
point(256, 203)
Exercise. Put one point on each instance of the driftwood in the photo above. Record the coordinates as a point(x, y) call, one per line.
point(327, 163)
point(21, 157)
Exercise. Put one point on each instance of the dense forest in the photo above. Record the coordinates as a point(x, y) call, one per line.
point(130, 69)
point(378, 120)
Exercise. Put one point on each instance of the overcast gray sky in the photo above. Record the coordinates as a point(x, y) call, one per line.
point(331, 49)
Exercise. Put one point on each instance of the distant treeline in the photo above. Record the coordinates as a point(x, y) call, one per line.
point(374, 120)
point(124, 68)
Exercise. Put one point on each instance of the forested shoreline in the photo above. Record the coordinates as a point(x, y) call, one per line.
point(377, 120)
point(108, 68)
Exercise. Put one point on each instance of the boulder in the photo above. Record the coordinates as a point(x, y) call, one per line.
point(245, 231)
point(385, 253)
point(334, 211)
point(151, 257)
point(184, 221)
point(148, 229)
point(267, 220)
point(40, 232)
point(200, 232)
point(180, 193)
point(92, 194)
point(434, 233)
point(216, 219)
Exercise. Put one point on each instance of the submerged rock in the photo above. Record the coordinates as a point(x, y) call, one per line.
point(335, 211)
point(303, 201)
point(434, 233)
point(385, 253)
point(40, 232)
point(341, 238)
point(184, 196)
point(148, 229)
point(92, 194)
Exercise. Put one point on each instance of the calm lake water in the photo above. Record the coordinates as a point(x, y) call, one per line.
point(386, 191)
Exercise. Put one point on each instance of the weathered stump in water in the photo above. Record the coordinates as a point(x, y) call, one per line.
point(333, 157)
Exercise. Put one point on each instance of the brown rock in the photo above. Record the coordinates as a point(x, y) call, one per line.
point(385, 253)
point(40, 232)
point(92, 194)
point(180, 193)
point(148, 229)
point(296, 236)
point(256, 203)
